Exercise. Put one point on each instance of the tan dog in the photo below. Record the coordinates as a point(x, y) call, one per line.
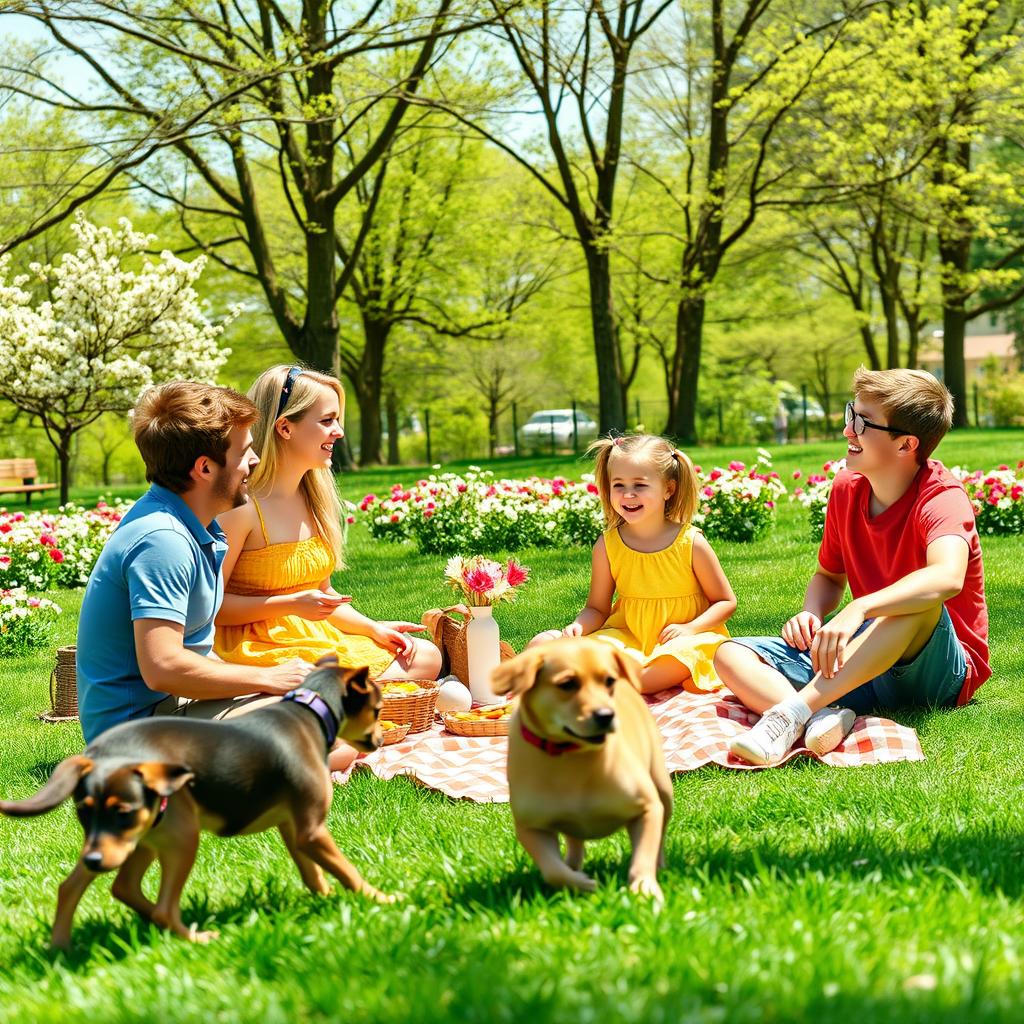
point(584, 759)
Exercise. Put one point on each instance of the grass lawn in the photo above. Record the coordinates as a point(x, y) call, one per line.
point(806, 893)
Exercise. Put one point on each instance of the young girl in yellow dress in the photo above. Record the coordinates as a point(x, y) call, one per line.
point(285, 542)
point(673, 598)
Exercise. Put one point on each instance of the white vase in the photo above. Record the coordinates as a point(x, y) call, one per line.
point(483, 652)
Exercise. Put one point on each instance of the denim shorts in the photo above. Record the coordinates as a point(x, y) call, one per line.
point(933, 679)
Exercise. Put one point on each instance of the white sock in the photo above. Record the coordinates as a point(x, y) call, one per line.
point(796, 708)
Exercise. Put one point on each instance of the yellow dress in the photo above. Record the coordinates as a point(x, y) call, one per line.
point(655, 588)
point(285, 569)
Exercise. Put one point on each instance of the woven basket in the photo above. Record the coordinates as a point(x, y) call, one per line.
point(63, 688)
point(414, 709)
point(450, 638)
point(477, 726)
point(395, 735)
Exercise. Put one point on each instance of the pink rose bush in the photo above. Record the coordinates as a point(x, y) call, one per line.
point(40, 550)
point(997, 497)
point(25, 622)
point(483, 581)
point(737, 502)
point(813, 491)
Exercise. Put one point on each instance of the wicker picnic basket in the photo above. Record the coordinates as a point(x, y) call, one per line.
point(414, 709)
point(395, 735)
point(476, 726)
point(63, 688)
point(449, 635)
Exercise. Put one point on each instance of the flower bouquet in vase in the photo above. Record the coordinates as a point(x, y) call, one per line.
point(483, 582)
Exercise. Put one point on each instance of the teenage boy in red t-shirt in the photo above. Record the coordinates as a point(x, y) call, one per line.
point(900, 531)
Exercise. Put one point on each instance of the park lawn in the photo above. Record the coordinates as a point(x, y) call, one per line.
point(889, 893)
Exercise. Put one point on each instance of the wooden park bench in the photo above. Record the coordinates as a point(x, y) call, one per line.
point(18, 476)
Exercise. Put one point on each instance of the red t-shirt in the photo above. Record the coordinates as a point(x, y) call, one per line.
point(876, 552)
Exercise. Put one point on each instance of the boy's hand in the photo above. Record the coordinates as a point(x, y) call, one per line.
point(828, 650)
point(800, 630)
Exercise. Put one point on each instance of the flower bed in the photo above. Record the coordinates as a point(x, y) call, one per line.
point(25, 622)
point(43, 550)
point(449, 513)
point(997, 496)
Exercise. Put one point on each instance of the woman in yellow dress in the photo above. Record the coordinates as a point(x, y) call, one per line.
point(673, 598)
point(284, 544)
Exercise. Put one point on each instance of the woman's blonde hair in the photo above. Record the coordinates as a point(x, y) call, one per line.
point(671, 465)
point(317, 485)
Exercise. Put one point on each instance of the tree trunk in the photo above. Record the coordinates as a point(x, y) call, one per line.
point(391, 411)
point(612, 414)
point(63, 447)
point(913, 338)
point(682, 397)
point(369, 388)
point(954, 369)
point(869, 347)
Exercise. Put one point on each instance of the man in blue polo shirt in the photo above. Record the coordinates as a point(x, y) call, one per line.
point(145, 632)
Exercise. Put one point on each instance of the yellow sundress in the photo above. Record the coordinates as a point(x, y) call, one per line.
point(655, 588)
point(285, 569)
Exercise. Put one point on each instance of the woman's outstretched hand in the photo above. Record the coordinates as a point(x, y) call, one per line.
point(316, 604)
point(394, 636)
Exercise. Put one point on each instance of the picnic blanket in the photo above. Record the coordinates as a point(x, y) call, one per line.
point(696, 729)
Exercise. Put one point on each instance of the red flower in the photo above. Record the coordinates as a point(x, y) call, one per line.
point(48, 540)
point(797, 474)
point(5, 527)
point(592, 488)
point(709, 492)
point(736, 466)
point(479, 580)
point(5, 561)
point(350, 520)
point(516, 574)
point(461, 488)
point(394, 517)
point(715, 474)
point(56, 554)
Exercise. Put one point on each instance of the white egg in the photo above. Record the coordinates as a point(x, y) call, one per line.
point(453, 695)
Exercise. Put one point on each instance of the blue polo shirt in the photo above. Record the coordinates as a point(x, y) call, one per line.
point(160, 563)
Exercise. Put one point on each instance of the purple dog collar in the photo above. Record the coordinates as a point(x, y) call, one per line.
point(312, 700)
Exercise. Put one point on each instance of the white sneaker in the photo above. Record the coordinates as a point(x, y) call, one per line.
point(827, 728)
point(768, 741)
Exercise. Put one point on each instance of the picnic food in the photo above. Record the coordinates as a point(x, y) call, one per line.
point(401, 686)
point(492, 712)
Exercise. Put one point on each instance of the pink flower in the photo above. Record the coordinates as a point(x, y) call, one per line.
point(715, 474)
point(769, 504)
point(462, 488)
point(797, 474)
point(48, 540)
point(1016, 492)
point(1004, 466)
point(516, 574)
point(33, 602)
point(709, 492)
point(5, 561)
point(427, 513)
point(697, 469)
point(350, 520)
point(736, 466)
point(56, 554)
point(479, 580)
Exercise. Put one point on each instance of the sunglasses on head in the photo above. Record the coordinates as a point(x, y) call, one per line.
point(286, 390)
point(860, 424)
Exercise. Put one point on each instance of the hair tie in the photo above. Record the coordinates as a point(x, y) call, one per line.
point(617, 441)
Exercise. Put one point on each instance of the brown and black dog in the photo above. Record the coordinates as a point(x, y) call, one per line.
point(584, 759)
point(144, 790)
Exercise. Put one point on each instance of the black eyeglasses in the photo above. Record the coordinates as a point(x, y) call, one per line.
point(286, 390)
point(860, 424)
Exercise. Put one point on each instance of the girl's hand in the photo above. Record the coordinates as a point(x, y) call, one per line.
point(573, 629)
point(799, 631)
point(394, 636)
point(315, 604)
point(674, 630)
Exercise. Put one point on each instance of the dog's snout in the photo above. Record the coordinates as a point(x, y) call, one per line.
point(604, 718)
point(93, 860)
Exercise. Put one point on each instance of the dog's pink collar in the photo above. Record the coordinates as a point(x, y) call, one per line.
point(160, 811)
point(548, 746)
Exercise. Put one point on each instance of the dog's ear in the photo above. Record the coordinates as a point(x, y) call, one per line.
point(327, 660)
point(356, 680)
point(60, 785)
point(628, 668)
point(163, 779)
point(518, 674)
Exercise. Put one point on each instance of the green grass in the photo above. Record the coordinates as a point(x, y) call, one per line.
point(890, 893)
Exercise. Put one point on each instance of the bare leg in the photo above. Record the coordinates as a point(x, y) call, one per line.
point(68, 896)
point(646, 834)
point(341, 757)
point(544, 635)
point(758, 686)
point(423, 663)
point(574, 852)
point(312, 876)
point(662, 673)
point(127, 885)
point(320, 847)
point(544, 849)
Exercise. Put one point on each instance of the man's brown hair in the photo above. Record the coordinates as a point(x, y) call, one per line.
point(913, 401)
point(176, 423)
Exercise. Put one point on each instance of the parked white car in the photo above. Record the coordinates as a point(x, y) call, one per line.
point(553, 427)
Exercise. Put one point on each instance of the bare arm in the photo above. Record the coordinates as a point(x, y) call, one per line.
point(717, 589)
point(824, 592)
point(599, 600)
point(168, 667)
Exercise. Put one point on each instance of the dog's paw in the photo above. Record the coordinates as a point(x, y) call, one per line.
point(569, 879)
point(647, 885)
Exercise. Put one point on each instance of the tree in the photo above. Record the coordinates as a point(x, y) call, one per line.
point(100, 332)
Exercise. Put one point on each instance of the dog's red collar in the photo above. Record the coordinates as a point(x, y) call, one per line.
point(548, 746)
point(160, 811)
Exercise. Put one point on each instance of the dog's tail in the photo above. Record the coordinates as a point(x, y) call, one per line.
point(58, 787)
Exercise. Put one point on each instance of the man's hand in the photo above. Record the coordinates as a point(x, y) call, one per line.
point(828, 650)
point(315, 604)
point(394, 636)
point(674, 630)
point(800, 630)
point(280, 679)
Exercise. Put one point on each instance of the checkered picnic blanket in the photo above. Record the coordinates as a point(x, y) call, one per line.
point(696, 730)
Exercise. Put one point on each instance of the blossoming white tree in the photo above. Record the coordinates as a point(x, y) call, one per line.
point(98, 332)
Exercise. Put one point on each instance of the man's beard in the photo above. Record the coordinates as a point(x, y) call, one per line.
point(233, 496)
